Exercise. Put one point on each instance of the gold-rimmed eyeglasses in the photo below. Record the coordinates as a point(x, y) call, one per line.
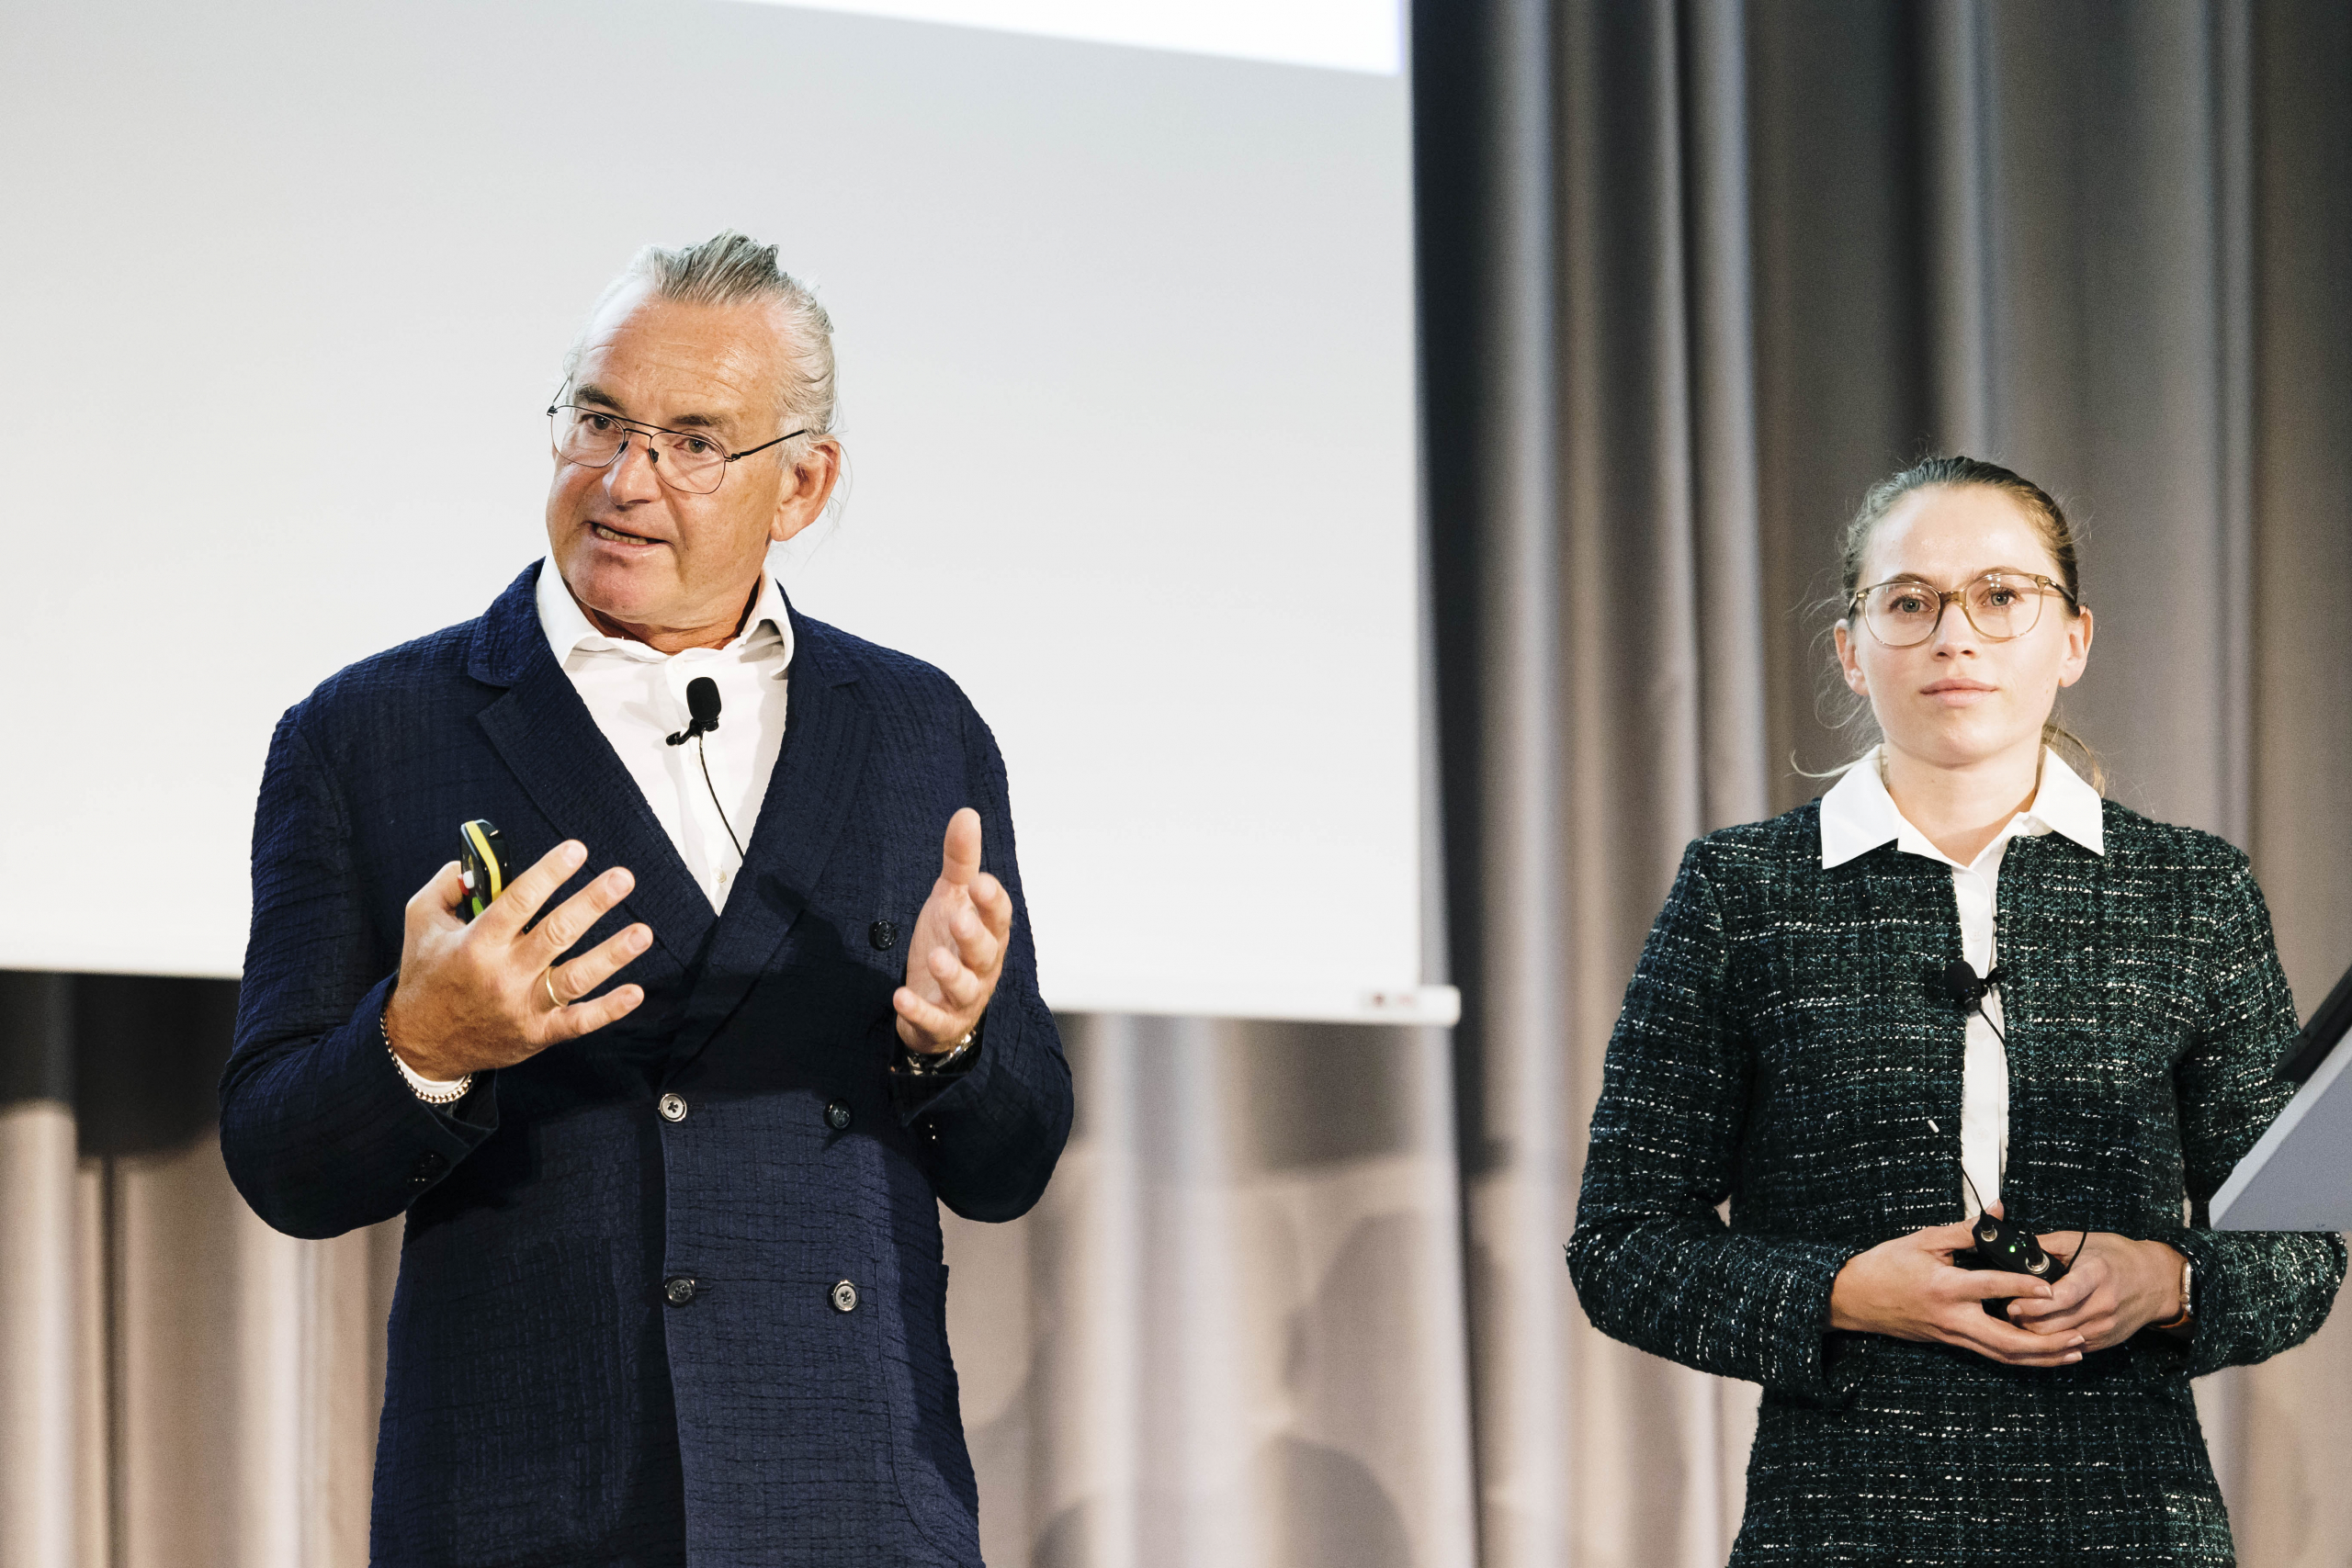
point(1904, 612)
point(686, 460)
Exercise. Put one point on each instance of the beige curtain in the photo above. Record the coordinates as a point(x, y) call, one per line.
point(1694, 275)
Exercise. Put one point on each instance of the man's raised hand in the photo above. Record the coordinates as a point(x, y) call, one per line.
point(490, 994)
point(959, 947)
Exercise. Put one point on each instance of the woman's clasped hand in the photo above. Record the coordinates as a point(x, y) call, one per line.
point(1909, 1288)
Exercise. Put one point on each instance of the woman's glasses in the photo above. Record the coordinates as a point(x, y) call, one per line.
point(1905, 611)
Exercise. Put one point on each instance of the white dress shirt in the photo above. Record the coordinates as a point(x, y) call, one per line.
point(638, 698)
point(1857, 816)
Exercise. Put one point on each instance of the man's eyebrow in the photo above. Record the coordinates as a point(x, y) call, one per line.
point(595, 395)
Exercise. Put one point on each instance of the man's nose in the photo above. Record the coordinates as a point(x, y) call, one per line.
point(630, 476)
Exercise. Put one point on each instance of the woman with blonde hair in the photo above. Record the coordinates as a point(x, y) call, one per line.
point(1799, 1038)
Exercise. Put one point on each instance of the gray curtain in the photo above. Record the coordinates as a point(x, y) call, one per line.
point(1694, 275)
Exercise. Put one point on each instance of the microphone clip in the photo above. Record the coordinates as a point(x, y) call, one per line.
point(1960, 981)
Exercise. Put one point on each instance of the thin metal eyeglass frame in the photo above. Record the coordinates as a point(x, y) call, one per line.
point(1948, 597)
point(728, 459)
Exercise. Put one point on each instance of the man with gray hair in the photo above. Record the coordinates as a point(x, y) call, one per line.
point(671, 1083)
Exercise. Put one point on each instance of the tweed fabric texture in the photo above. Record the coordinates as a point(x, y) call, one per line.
point(1782, 1046)
point(544, 1403)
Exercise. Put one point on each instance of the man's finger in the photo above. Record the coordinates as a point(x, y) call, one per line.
point(957, 984)
point(586, 1017)
point(553, 937)
point(524, 895)
point(936, 1024)
point(993, 902)
point(442, 897)
point(974, 943)
point(959, 856)
point(599, 963)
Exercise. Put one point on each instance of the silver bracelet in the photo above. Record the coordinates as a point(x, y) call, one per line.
point(450, 1096)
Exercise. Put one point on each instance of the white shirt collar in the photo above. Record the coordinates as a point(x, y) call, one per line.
point(1858, 815)
point(567, 629)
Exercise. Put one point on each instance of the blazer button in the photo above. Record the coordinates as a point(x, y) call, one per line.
point(837, 1115)
point(678, 1291)
point(843, 1296)
point(672, 1108)
point(883, 934)
point(429, 1164)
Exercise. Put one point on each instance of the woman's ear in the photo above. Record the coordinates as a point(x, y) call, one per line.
point(1848, 663)
point(2078, 647)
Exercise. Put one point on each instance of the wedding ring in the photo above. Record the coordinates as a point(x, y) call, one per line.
point(547, 977)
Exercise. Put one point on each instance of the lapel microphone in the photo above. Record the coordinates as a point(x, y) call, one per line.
point(1959, 981)
point(702, 711)
point(702, 714)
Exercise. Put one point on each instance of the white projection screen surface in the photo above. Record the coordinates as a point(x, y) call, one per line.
point(1126, 365)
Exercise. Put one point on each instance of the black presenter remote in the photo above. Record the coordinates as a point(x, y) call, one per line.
point(2011, 1248)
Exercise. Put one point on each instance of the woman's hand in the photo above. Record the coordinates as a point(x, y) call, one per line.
point(2115, 1287)
point(1909, 1288)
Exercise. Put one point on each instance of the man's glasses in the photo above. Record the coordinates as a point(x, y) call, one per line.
point(2000, 604)
point(684, 460)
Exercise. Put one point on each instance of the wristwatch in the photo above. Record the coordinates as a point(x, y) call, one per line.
point(927, 1063)
point(2187, 1284)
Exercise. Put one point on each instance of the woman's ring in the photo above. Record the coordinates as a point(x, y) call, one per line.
point(546, 977)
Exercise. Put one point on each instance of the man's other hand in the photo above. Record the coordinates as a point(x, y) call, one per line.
point(959, 947)
point(489, 994)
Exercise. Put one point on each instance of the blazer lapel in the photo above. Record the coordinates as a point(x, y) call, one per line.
point(544, 733)
point(808, 799)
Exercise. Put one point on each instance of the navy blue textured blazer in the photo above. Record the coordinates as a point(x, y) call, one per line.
point(546, 1403)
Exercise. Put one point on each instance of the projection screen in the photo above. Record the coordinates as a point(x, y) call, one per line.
point(1126, 347)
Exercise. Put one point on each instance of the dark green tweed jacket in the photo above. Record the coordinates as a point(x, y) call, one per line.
point(1781, 1047)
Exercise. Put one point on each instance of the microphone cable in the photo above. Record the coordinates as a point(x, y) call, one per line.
point(702, 708)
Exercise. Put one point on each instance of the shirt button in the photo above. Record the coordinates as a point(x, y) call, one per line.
point(844, 1295)
point(678, 1292)
point(837, 1115)
point(883, 934)
point(672, 1108)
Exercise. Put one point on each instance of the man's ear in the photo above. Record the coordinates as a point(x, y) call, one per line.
point(808, 485)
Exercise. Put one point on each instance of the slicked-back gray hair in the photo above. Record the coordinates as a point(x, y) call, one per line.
point(734, 269)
